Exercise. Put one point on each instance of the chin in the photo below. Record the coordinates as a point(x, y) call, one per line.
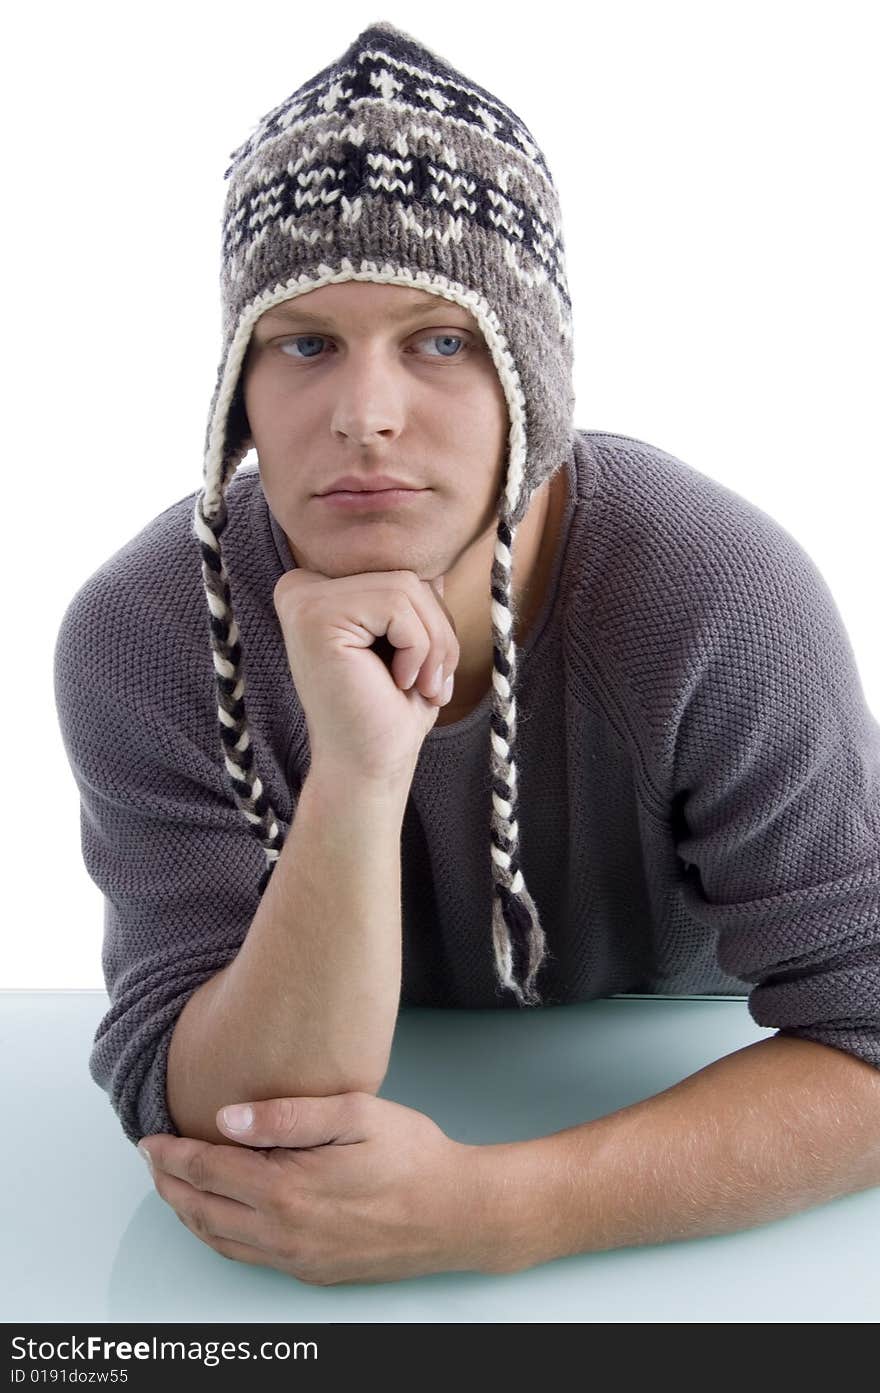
point(367, 560)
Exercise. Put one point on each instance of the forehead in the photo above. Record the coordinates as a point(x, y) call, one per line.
point(367, 300)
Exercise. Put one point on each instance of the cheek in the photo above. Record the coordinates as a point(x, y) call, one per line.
point(484, 413)
point(264, 395)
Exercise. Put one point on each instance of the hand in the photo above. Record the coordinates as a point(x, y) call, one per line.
point(346, 1188)
point(362, 652)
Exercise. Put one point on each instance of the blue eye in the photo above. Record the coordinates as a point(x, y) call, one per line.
point(302, 338)
point(439, 338)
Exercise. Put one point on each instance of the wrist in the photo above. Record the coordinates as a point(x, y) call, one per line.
point(337, 781)
point(511, 1188)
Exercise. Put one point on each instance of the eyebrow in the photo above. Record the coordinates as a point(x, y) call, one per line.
point(286, 310)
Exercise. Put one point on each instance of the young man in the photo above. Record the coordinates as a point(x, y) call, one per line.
point(655, 770)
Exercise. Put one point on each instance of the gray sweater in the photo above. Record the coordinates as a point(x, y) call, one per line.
point(699, 773)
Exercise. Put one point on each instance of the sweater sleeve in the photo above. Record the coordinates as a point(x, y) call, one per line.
point(777, 778)
point(165, 844)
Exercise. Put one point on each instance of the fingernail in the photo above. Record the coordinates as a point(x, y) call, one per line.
point(239, 1117)
point(146, 1155)
point(439, 583)
point(434, 688)
point(447, 689)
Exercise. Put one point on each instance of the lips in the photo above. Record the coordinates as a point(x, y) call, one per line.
point(371, 500)
point(353, 483)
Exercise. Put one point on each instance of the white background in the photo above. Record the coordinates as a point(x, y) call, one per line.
point(716, 165)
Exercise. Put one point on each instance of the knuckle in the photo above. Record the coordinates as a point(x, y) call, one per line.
point(198, 1223)
point(196, 1171)
point(284, 586)
point(288, 1212)
point(400, 583)
point(401, 605)
point(356, 1107)
point(292, 593)
point(308, 1267)
point(287, 1242)
point(285, 1115)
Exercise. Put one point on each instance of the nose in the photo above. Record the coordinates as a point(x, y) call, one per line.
point(369, 398)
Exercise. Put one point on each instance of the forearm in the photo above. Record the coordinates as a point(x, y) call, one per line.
point(773, 1128)
point(309, 1004)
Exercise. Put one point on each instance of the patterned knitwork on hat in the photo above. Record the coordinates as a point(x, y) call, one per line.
point(703, 772)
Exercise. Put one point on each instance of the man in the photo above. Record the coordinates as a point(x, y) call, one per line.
point(654, 711)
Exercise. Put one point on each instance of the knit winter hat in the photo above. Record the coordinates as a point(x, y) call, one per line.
point(390, 166)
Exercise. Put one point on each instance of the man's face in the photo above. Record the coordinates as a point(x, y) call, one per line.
point(380, 379)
